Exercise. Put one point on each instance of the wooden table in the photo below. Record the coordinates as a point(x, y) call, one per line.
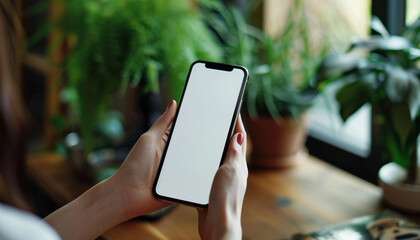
point(278, 203)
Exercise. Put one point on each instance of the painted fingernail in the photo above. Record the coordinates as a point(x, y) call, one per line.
point(240, 139)
point(170, 104)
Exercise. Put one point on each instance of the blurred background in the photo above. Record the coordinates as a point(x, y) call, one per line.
point(95, 74)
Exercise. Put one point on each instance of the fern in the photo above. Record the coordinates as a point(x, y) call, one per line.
point(119, 43)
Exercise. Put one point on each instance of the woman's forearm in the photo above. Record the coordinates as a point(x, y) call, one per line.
point(91, 214)
point(127, 194)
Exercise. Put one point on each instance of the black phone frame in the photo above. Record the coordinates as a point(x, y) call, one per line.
point(212, 65)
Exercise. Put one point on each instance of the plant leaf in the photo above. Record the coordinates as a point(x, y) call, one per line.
point(395, 151)
point(268, 97)
point(412, 32)
point(351, 97)
point(334, 67)
point(377, 25)
point(414, 54)
point(414, 132)
point(402, 86)
point(375, 43)
point(402, 124)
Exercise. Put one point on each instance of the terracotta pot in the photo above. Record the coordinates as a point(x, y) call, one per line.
point(396, 193)
point(276, 144)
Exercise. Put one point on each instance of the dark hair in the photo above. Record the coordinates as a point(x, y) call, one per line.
point(12, 114)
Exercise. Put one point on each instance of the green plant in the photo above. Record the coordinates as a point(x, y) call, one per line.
point(114, 44)
point(281, 67)
point(382, 70)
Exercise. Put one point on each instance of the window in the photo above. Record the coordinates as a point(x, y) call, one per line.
point(347, 145)
point(412, 12)
point(354, 136)
point(353, 141)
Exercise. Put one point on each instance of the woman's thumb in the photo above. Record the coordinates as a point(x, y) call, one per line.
point(163, 122)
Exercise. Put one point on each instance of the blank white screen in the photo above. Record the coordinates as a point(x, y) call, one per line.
point(198, 139)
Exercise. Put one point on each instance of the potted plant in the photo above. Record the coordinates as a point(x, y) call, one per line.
point(116, 44)
point(279, 90)
point(383, 71)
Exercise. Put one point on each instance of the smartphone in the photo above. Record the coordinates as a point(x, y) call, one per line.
point(200, 132)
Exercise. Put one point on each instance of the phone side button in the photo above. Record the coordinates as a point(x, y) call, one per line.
point(240, 105)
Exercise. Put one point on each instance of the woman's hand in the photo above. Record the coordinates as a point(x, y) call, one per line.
point(136, 176)
point(127, 194)
point(222, 218)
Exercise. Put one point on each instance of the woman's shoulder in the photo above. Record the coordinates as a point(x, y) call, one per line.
point(17, 224)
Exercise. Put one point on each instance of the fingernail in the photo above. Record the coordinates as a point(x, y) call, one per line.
point(170, 104)
point(240, 139)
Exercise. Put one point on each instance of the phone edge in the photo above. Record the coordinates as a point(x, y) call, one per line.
point(232, 124)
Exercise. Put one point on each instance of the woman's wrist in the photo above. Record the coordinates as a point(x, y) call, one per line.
point(229, 230)
point(222, 223)
point(116, 191)
point(111, 196)
point(134, 200)
point(89, 215)
point(232, 228)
